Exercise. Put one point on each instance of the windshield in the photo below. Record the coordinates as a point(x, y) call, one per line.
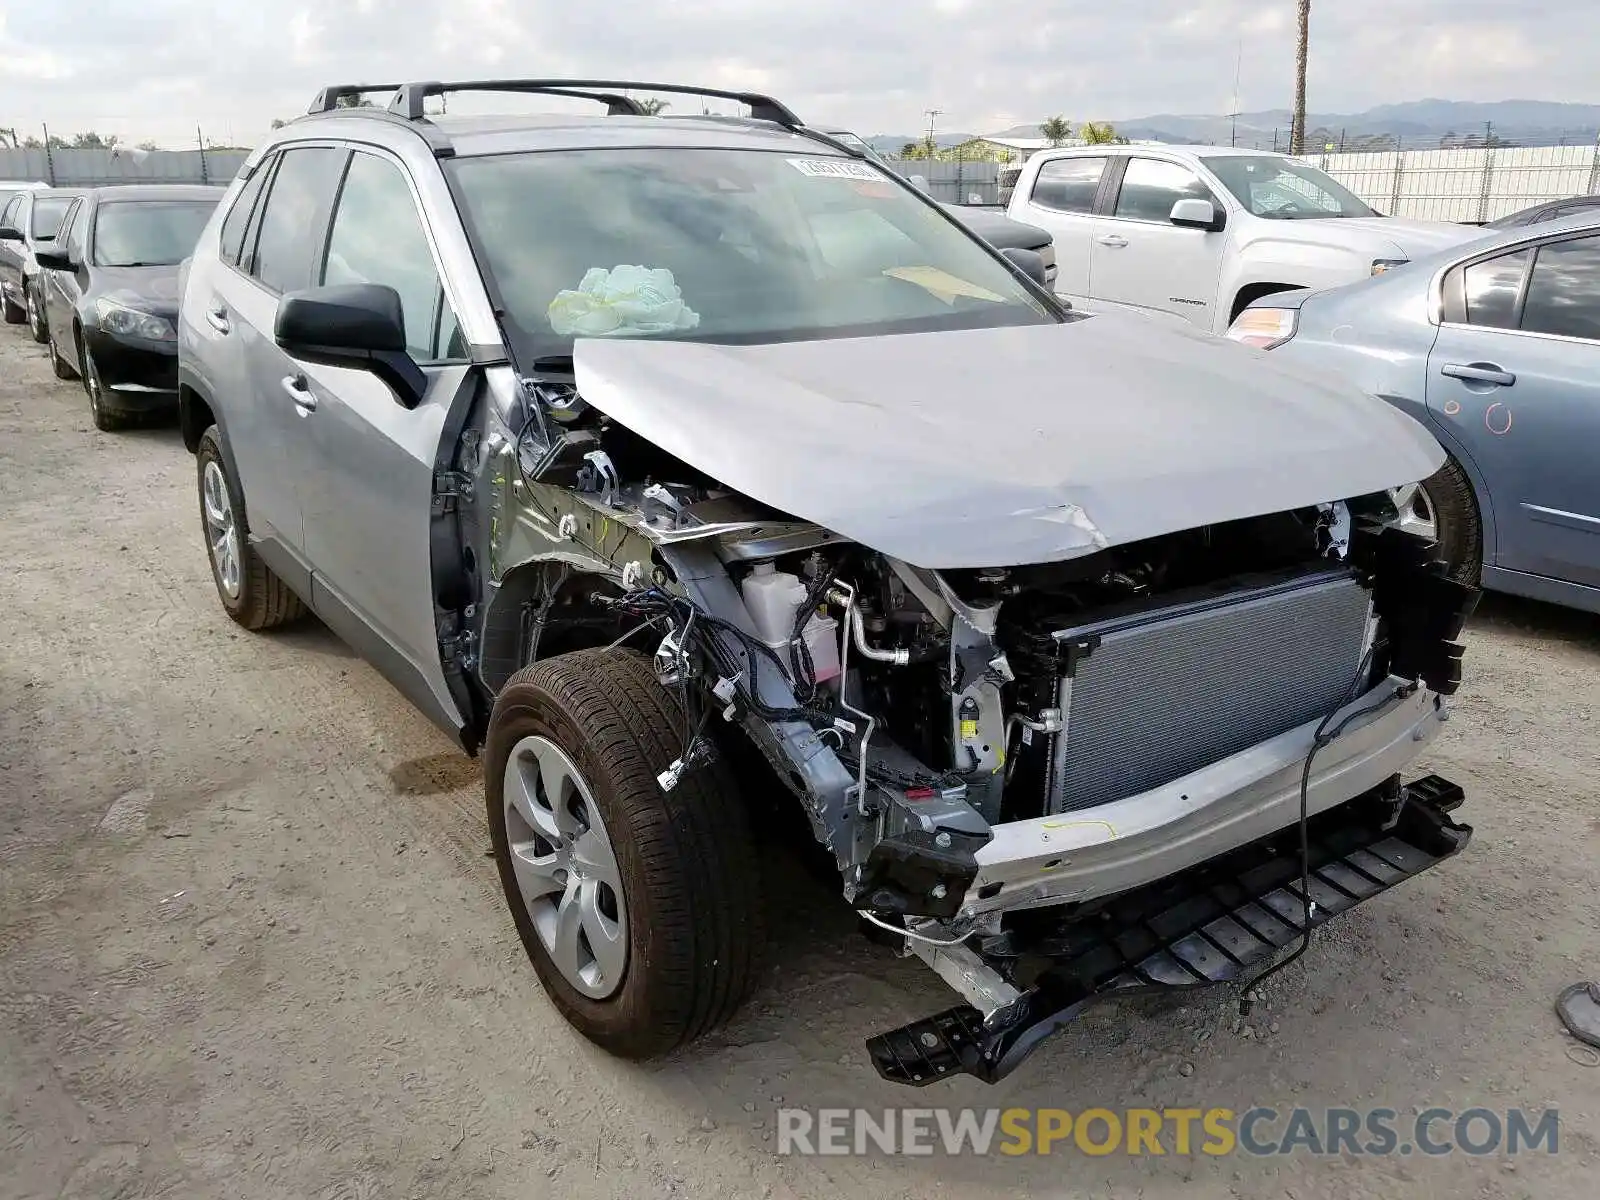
point(1279, 188)
point(146, 233)
point(723, 245)
point(47, 214)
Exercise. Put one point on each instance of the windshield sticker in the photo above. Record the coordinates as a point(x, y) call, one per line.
point(942, 285)
point(834, 168)
point(622, 302)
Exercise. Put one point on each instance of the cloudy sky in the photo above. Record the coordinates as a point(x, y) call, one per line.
point(153, 69)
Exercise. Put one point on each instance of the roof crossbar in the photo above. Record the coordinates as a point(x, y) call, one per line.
point(409, 97)
point(330, 98)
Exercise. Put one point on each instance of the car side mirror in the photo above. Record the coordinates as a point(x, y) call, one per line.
point(360, 326)
point(1029, 262)
point(1194, 213)
point(10, 233)
point(54, 260)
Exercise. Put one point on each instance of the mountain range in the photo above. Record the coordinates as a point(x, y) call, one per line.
point(1415, 122)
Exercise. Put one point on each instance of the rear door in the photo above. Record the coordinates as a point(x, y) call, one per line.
point(264, 423)
point(1515, 374)
point(1061, 201)
point(1141, 259)
point(367, 463)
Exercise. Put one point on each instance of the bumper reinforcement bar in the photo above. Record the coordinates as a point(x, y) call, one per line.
point(1208, 925)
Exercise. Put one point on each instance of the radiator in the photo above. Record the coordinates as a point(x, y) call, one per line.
point(1169, 691)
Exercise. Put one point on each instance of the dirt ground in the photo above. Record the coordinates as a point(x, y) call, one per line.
point(251, 944)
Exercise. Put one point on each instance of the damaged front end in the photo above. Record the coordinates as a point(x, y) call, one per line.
point(1053, 782)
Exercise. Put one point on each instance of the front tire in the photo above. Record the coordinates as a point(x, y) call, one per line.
point(60, 366)
point(11, 313)
point(574, 745)
point(106, 419)
point(36, 318)
point(250, 592)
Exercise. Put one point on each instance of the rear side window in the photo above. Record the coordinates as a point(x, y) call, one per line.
point(1150, 188)
point(302, 188)
point(1564, 290)
point(238, 219)
point(377, 237)
point(1069, 184)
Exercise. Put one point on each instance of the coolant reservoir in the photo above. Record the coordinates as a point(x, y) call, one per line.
point(773, 598)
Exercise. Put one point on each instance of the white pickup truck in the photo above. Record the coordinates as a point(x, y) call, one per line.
point(1201, 231)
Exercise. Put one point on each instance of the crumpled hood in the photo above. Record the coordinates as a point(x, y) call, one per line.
point(1412, 239)
point(1000, 447)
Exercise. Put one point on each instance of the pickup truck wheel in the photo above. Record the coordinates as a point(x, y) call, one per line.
point(1442, 507)
point(640, 909)
point(250, 593)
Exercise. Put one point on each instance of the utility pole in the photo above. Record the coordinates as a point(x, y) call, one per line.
point(933, 115)
point(1238, 66)
point(1297, 135)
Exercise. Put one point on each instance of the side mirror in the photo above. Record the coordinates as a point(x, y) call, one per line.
point(1195, 213)
point(1029, 262)
point(360, 326)
point(54, 260)
point(10, 233)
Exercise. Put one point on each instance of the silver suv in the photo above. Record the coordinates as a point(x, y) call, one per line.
point(665, 461)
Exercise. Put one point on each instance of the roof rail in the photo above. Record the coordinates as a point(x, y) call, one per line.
point(409, 97)
point(330, 98)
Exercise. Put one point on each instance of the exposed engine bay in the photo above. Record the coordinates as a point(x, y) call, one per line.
point(914, 711)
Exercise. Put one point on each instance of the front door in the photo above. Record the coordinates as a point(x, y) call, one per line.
point(368, 463)
point(1516, 378)
point(60, 291)
point(1142, 260)
point(1061, 201)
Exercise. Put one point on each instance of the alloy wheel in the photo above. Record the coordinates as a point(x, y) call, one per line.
point(1417, 511)
point(222, 532)
point(35, 315)
point(565, 867)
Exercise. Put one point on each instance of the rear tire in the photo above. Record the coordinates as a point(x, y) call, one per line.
point(685, 858)
point(1459, 529)
point(250, 593)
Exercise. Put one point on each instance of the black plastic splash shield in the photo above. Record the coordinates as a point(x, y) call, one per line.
point(1213, 923)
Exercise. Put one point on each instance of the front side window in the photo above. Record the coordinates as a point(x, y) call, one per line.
point(1564, 290)
point(722, 245)
point(301, 191)
point(145, 233)
point(8, 215)
point(1151, 187)
point(1069, 184)
point(377, 237)
point(47, 215)
point(1284, 189)
point(1492, 288)
point(231, 243)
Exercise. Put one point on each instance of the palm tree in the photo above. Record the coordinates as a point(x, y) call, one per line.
point(1297, 135)
point(1056, 130)
point(654, 107)
point(1097, 133)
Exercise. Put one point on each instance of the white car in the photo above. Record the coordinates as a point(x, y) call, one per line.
point(1201, 231)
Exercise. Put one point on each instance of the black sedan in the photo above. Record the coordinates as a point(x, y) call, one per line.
point(111, 294)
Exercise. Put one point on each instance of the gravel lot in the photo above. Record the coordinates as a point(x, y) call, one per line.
point(251, 945)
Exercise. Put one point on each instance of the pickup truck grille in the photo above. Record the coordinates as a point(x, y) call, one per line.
point(1169, 691)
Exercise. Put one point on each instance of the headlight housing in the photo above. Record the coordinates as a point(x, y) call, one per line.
point(121, 321)
point(1381, 265)
point(1265, 328)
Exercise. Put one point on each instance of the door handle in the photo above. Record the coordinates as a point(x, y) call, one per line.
point(305, 401)
point(1114, 240)
point(1479, 372)
point(217, 318)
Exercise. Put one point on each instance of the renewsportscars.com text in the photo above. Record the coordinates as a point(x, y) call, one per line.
point(1260, 1131)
